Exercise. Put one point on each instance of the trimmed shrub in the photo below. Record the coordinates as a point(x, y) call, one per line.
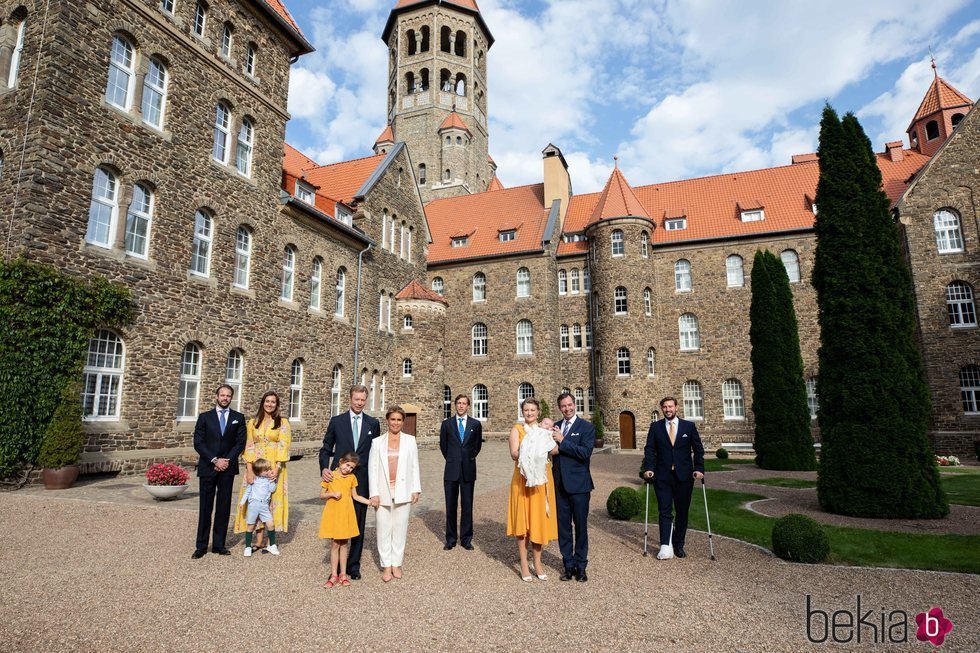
point(64, 439)
point(722, 453)
point(545, 409)
point(624, 503)
point(799, 538)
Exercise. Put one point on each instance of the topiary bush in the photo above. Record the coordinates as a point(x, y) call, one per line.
point(64, 439)
point(623, 503)
point(722, 453)
point(799, 538)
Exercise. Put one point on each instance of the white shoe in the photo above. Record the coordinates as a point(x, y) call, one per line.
point(248, 552)
point(666, 552)
point(274, 550)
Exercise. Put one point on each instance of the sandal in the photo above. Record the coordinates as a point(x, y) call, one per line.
point(386, 577)
point(344, 580)
point(396, 575)
point(331, 581)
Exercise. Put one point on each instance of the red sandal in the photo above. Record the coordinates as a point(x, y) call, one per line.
point(331, 581)
point(344, 580)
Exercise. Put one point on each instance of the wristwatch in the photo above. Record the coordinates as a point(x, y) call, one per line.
point(214, 460)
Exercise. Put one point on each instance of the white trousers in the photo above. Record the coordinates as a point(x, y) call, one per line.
point(392, 527)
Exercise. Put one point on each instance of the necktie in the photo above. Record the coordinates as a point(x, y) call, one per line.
point(564, 431)
point(670, 433)
point(356, 430)
point(462, 429)
point(222, 419)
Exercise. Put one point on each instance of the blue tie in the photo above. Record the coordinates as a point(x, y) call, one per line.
point(222, 420)
point(462, 429)
point(357, 430)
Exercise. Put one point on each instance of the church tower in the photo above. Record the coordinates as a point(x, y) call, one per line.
point(437, 103)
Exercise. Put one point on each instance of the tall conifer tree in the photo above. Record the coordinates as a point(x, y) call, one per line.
point(876, 460)
point(782, 418)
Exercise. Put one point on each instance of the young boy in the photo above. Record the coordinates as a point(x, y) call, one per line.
point(257, 496)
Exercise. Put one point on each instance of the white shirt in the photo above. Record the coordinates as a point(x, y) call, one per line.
point(569, 423)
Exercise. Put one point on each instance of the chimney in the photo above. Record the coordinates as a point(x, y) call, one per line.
point(894, 151)
point(557, 183)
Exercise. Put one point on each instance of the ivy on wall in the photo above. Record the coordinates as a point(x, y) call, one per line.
point(47, 318)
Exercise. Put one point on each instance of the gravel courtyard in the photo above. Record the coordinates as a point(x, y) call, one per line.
point(103, 567)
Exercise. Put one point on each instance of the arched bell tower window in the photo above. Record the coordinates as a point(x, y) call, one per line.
point(932, 130)
point(413, 46)
point(424, 38)
point(409, 82)
point(460, 84)
point(445, 39)
point(955, 120)
point(460, 49)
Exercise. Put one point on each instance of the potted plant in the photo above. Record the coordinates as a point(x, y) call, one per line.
point(63, 440)
point(166, 480)
point(600, 429)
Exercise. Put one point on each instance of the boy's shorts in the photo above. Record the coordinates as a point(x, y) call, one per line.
point(257, 511)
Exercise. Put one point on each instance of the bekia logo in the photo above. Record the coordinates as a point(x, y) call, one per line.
point(885, 626)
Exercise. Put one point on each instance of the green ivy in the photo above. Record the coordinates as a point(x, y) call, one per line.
point(48, 317)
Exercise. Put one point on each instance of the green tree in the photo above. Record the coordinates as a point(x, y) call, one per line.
point(64, 438)
point(782, 418)
point(876, 460)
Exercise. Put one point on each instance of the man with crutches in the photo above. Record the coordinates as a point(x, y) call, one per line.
point(673, 458)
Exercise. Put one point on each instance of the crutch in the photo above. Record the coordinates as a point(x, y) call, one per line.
point(707, 517)
point(646, 519)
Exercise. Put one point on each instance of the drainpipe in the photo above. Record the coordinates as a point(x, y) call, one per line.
point(357, 309)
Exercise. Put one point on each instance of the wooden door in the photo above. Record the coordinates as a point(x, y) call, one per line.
point(627, 431)
point(409, 425)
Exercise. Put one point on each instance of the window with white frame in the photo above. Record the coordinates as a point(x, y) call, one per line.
point(438, 285)
point(296, 391)
point(246, 143)
point(812, 401)
point(733, 399)
point(586, 280)
point(373, 391)
point(623, 367)
point(336, 390)
point(588, 336)
point(102, 376)
point(200, 17)
point(675, 224)
point(755, 215)
point(644, 244)
point(579, 401)
point(251, 55)
point(222, 131)
point(949, 238)
point(524, 391)
point(138, 220)
point(201, 247)
point(573, 278)
point(690, 334)
point(618, 246)
point(384, 387)
point(447, 402)
point(735, 271)
point(103, 209)
point(226, 37)
point(479, 339)
point(576, 342)
point(647, 302)
point(591, 396)
point(693, 398)
point(17, 54)
point(288, 273)
point(167, 6)
point(479, 287)
point(525, 338)
point(305, 192)
point(408, 323)
point(122, 72)
point(234, 373)
point(562, 282)
point(341, 290)
point(154, 101)
point(460, 241)
point(407, 367)
point(316, 281)
point(190, 382)
point(682, 275)
point(523, 282)
point(959, 305)
point(481, 401)
point(507, 236)
point(620, 304)
point(563, 341)
point(651, 362)
point(791, 261)
point(422, 174)
point(970, 389)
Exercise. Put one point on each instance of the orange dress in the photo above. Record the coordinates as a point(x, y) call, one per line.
point(338, 521)
point(526, 514)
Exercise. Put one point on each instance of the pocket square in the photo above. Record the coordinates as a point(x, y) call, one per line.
point(684, 436)
point(235, 422)
point(572, 435)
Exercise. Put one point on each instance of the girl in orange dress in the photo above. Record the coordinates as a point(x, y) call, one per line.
point(338, 522)
point(528, 517)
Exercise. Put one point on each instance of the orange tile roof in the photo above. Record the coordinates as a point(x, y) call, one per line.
point(415, 290)
point(295, 162)
point(940, 96)
point(480, 216)
point(495, 184)
point(617, 200)
point(453, 121)
point(386, 136)
point(341, 181)
point(280, 8)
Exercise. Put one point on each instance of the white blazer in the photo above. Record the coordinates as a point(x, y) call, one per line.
point(407, 478)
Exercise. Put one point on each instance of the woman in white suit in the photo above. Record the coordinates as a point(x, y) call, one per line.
point(395, 484)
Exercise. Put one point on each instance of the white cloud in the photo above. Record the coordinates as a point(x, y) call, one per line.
point(309, 92)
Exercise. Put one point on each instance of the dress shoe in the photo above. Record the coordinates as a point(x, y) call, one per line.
point(199, 553)
point(679, 552)
point(447, 546)
point(468, 546)
point(355, 575)
point(582, 576)
point(568, 574)
point(221, 552)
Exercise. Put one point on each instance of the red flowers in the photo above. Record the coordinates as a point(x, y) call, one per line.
point(166, 474)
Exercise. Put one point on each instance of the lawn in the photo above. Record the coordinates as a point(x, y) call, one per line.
point(962, 487)
point(727, 465)
point(848, 546)
point(781, 481)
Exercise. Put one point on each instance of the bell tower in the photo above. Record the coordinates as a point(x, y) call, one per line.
point(437, 103)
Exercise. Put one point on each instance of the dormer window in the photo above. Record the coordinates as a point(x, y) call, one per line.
point(305, 192)
point(461, 241)
point(754, 215)
point(508, 235)
point(675, 224)
point(345, 216)
point(573, 238)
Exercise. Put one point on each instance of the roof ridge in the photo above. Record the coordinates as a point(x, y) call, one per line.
point(337, 163)
point(509, 188)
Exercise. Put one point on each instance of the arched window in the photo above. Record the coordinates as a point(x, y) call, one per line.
point(373, 391)
point(573, 279)
point(402, 251)
point(122, 72)
point(949, 238)
point(438, 285)
point(17, 54)
point(479, 287)
point(956, 119)
point(460, 49)
point(618, 247)
point(959, 304)
point(246, 141)
point(234, 372)
point(791, 261)
point(620, 304)
point(525, 338)
point(523, 282)
point(693, 400)
point(690, 335)
point(445, 80)
point(154, 101)
point(733, 399)
point(563, 342)
point(812, 401)
point(479, 339)
point(647, 302)
point(409, 82)
point(200, 17)
point(335, 390)
point(138, 220)
point(481, 402)
point(682, 275)
point(424, 80)
point(222, 131)
point(447, 402)
point(103, 209)
point(651, 362)
point(227, 33)
point(296, 391)
point(408, 246)
point(932, 130)
point(460, 86)
point(623, 367)
point(408, 324)
point(288, 273)
point(251, 57)
point(524, 391)
point(201, 247)
point(407, 368)
point(576, 336)
point(316, 281)
point(735, 271)
point(421, 174)
point(644, 244)
point(102, 376)
point(586, 281)
point(562, 282)
point(445, 38)
point(447, 175)
point(190, 382)
point(385, 219)
point(412, 42)
point(970, 389)
point(341, 291)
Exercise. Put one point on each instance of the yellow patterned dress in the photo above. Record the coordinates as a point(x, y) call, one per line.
point(273, 445)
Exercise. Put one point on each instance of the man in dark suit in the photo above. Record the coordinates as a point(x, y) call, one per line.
point(219, 439)
point(460, 440)
point(351, 431)
point(573, 485)
point(673, 458)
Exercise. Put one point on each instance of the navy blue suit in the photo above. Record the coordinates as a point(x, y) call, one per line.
point(573, 485)
point(673, 470)
point(338, 440)
point(209, 443)
point(459, 477)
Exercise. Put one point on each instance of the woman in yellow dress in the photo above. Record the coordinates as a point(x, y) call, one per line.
point(528, 516)
point(268, 437)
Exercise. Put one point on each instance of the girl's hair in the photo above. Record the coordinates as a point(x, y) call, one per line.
point(260, 413)
point(261, 465)
point(534, 402)
point(349, 457)
point(393, 410)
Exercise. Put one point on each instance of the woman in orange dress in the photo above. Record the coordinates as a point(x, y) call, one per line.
point(528, 514)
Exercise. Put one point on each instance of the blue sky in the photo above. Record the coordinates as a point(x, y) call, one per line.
point(675, 88)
